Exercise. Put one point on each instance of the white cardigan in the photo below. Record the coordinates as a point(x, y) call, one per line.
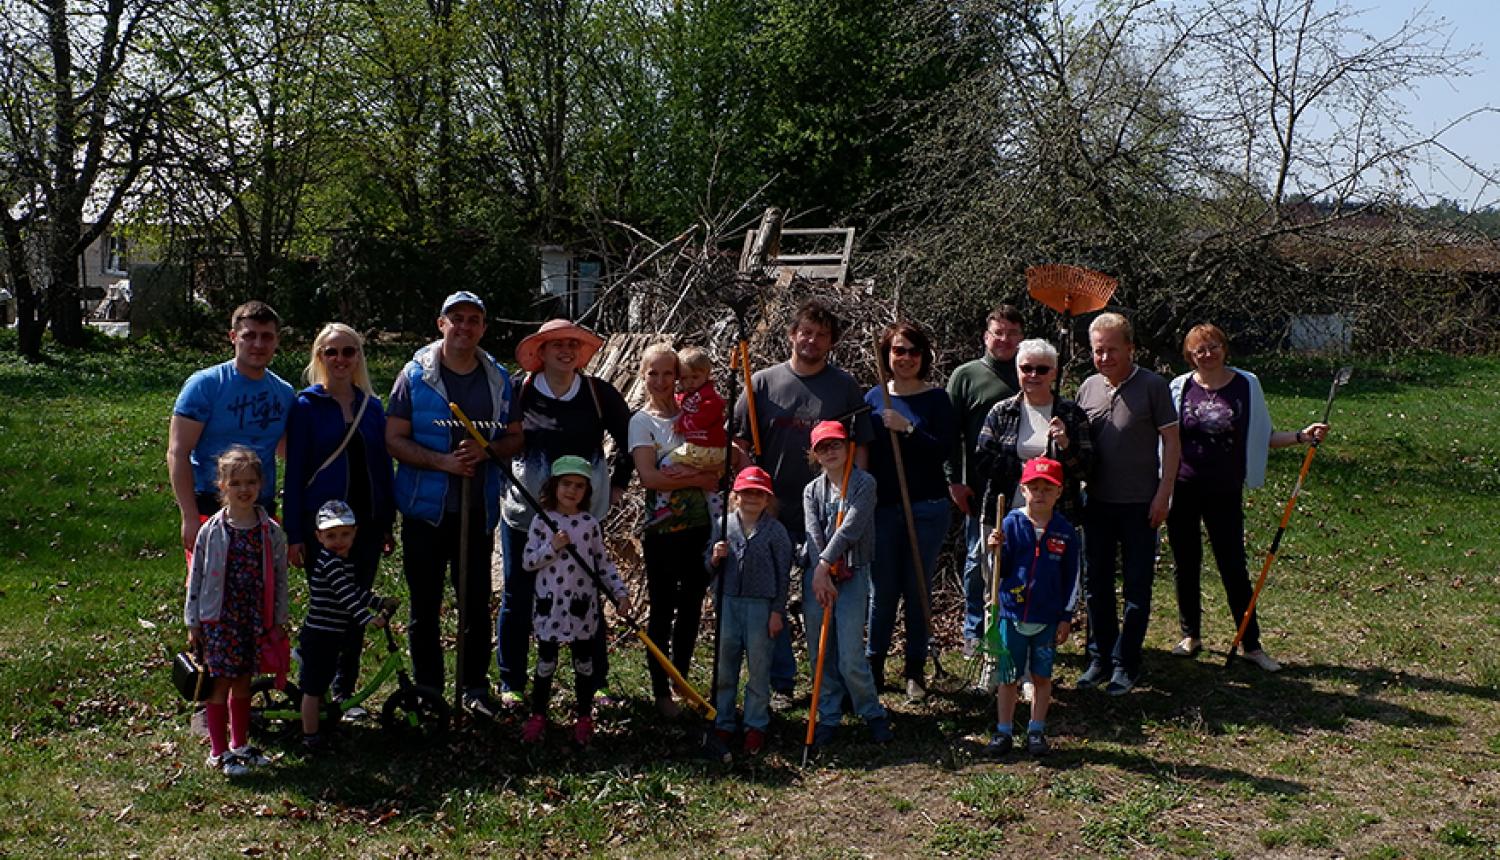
point(1258, 441)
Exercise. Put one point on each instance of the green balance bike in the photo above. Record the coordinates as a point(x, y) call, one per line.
point(412, 711)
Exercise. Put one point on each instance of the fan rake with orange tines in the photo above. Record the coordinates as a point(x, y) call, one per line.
point(1069, 290)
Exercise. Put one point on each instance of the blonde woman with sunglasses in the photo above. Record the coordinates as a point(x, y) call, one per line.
point(335, 450)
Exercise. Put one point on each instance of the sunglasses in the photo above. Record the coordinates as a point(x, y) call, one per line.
point(904, 351)
point(1035, 369)
point(335, 352)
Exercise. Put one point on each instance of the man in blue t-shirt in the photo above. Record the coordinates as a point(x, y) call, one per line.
point(238, 402)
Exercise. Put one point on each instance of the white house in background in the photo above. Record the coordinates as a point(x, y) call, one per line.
point(571, 277)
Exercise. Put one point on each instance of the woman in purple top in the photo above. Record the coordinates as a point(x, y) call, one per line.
point(1226, 433)
point(926, 426)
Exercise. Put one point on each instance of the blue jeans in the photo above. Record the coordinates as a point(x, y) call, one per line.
point(849, 671)
point(513, 621)
point(975, 593)
point(894, 578)
point(1125, 528)
point(783, 660)
point(744, 631)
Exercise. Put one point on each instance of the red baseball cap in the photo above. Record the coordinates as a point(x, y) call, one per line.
point(825, 430)
point(1042, 469)
point(753, 478)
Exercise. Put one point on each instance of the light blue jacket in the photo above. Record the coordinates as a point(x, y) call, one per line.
point(1258, 437)
point(420, 492)
point(205, 585)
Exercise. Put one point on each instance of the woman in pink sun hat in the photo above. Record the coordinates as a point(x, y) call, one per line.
point(563, 411)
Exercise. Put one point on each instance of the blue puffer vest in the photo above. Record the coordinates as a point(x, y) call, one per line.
point(420, 492)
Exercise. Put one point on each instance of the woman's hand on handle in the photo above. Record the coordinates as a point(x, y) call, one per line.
point(1058, 432)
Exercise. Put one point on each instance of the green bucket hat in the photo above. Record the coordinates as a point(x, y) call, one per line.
point(572, 464)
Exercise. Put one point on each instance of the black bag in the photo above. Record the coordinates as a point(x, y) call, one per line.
point(190, 677)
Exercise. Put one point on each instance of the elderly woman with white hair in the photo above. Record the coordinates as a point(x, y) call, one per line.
point(1031, 424)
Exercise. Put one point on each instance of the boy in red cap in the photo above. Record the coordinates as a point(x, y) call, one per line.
point(1039, 587)
point(755, 559)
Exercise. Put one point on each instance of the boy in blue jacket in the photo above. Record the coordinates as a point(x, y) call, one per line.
point(1039, 588)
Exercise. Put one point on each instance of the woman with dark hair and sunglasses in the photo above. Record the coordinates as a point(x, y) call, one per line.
point(335, 449)
point(926, 428)
point(1033, 423)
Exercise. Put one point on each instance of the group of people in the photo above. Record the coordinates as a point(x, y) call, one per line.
point(828, 478)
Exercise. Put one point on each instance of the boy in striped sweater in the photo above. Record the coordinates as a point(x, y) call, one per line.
point(335, 602)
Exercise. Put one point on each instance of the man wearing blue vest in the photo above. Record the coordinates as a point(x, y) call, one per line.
point(433, 460)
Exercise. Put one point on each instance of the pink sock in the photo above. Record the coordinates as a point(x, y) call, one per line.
point(215, 716)
point(239, 721)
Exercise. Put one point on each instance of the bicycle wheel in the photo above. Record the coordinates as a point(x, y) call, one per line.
point(266, 700)
point(416, 712)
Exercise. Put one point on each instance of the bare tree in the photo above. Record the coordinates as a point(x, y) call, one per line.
point(1168, 144)
point(80, 127)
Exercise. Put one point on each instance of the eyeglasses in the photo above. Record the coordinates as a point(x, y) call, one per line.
point(1035, 369)
point(1206, 349)
point(335, 352)
point(903, 351)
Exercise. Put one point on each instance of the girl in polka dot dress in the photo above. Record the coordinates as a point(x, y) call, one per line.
point(567, 606)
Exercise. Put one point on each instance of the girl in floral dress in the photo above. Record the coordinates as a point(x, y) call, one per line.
point(239, 550)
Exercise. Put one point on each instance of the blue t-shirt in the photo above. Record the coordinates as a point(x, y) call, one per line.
point(235, 410)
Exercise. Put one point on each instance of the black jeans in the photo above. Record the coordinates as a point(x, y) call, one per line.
point(676, 581)
point(428, 552)
point(1222, 512)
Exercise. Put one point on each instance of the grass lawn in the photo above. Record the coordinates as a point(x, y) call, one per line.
point(1380, 739)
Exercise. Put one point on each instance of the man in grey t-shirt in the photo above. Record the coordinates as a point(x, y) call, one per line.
point(789, 399)
point(1131, 418)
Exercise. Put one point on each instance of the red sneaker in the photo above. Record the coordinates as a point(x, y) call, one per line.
point(534, 730)
point(583, 731)
point(755, 741)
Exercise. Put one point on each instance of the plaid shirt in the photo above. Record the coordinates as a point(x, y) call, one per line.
point(998, 465)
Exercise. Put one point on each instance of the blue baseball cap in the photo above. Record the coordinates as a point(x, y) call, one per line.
point(462, 297)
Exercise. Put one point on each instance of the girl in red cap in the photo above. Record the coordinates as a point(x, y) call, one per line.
point(837, 576)
point(755, 559)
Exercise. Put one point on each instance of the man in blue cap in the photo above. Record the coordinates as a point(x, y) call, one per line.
point(434, 459)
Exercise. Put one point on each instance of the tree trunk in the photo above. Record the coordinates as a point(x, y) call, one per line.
point(64, 293)
point(29, 325)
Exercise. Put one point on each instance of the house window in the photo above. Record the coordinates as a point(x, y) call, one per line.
point(115, 259)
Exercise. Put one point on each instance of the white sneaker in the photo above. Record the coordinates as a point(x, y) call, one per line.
point(250, 756)
point(229, 763)
point(1188, 647)
point(1263, 660)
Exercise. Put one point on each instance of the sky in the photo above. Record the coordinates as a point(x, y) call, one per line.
point(1476, 24)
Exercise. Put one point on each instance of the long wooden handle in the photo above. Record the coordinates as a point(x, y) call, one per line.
point(695, 699)
point(1265, 569)
point(911, 521)
point(812, 708)
point(742, 356)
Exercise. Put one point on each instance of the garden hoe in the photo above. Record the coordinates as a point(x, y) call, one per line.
point(1340, 379)
point(695, 701)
